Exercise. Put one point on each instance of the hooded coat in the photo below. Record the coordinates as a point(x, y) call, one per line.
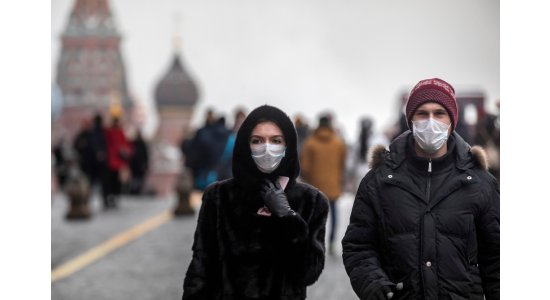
point(435, 232)
point(239, 254)
point(323, 160)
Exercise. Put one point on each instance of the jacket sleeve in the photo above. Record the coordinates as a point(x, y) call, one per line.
point(488, 234)
point(201, 279)
point(361, 244)
point(305, 242)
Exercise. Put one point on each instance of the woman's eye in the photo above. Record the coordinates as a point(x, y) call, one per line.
point(255, 141)
point(277, 141)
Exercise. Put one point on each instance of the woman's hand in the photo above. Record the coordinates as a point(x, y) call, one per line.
point(275, 199)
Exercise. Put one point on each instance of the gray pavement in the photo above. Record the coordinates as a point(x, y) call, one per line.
point(154, 265)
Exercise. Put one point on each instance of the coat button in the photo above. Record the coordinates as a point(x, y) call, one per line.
point(428, 264)
point(469, 177)
point(390, 176)
point(399, 286)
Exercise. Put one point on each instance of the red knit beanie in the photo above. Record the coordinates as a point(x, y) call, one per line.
point(432, 90)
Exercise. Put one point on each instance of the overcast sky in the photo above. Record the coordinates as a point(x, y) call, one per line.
point(351, 57)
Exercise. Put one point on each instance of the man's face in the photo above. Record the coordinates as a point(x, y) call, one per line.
point(432, 110)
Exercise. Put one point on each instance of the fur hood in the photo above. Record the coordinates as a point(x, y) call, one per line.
point(465, 152)
point(245, 171)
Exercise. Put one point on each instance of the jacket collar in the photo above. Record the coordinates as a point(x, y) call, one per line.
point(398, 151)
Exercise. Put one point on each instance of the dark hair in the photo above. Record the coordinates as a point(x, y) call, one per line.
point(324, 121)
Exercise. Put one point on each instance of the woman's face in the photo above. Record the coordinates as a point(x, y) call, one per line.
point(267, 132)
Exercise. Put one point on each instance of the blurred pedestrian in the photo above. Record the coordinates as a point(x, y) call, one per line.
point(83, 147)
point(425, 222)
point(224, 164)
point(259, 235)
point(302, 130)
point(139, 164)
point(61, 155)
point(204, 150)
point(323, 160)
point(488, 136)
point(357, 162)
point(119, 152)
point(100, 172)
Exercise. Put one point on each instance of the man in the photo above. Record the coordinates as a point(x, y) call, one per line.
point(323, 161)
point(425, 222)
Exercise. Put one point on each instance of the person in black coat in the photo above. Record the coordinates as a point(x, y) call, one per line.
point(425, 223)
point(139, 164)
point(83, 147)
point(260, 234)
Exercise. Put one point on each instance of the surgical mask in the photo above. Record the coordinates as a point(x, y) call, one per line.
point(267, 156)
point(430, 134)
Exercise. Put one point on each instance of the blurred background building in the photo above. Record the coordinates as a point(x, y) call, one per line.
point(176, 95)
point(91, 72)
point(91, 79)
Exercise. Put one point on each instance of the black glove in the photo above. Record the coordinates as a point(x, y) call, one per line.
point(275, 199)
point(381, 292)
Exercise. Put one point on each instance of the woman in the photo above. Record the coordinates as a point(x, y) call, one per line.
point(260, 234)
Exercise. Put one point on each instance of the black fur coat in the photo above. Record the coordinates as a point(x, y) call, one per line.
point(239, 254)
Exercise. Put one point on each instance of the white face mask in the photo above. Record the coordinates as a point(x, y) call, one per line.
point(267, 156)
point(430, 134)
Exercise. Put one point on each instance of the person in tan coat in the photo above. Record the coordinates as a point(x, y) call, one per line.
point(322, 162)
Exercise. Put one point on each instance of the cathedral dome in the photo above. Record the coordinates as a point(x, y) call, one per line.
point(176, 88)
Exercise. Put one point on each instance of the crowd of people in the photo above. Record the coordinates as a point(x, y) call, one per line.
point(424, 224)
point(106, 158)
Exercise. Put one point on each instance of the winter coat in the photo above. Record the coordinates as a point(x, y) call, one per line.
point(139, 163)
point(203, 153)
point(119, 149)
point(323, 161)
point(83, 146)
point(435, 232)
point(240, 254)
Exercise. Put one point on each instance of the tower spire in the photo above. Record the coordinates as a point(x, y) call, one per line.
point(177, 34)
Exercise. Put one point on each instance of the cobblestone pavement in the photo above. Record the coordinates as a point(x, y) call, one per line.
point(152, 266)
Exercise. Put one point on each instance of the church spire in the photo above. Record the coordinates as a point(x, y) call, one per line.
point(177, 35)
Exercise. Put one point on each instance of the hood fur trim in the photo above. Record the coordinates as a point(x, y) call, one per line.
point(377, 154)
point(480, 157)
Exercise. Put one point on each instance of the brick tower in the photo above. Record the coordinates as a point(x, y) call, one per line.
point(90, 71)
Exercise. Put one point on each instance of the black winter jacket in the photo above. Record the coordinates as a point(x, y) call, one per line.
point(239, 254)
point(435, 232)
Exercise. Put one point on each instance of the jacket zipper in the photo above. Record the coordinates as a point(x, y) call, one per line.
point(429, 181)
point(428, 187)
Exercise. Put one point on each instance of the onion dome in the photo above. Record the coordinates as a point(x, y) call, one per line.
point(176, 88)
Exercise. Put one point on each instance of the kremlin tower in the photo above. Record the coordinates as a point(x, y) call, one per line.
point(90, 71)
